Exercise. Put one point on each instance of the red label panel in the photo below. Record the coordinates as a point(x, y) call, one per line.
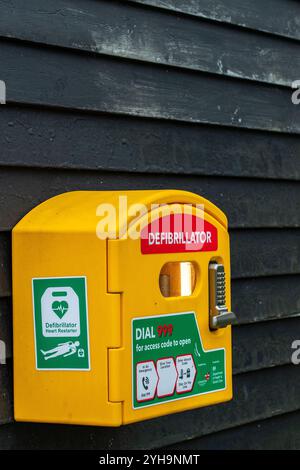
point(179, 233)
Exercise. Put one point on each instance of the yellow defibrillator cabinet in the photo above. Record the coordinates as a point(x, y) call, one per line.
point(121, 307)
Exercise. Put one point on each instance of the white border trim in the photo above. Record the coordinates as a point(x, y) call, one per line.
point(87, 320)
point(205, 350)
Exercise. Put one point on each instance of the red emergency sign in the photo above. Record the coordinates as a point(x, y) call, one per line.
point(179, 233)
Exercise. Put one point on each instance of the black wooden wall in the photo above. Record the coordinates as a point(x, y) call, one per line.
point(189, 94)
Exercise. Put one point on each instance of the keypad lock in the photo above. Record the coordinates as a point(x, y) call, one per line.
point(219, 316)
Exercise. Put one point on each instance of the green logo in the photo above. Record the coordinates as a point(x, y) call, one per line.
point(61, 323)
point(60, 308)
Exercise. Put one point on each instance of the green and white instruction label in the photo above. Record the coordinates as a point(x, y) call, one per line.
point(61, 323)
point(169, 362)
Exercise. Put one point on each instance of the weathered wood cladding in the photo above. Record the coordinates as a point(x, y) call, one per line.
point(155, 36)
point(186, 94)
point(104, 84)
point(276, 17)
point(261, 435)
point(73, 140)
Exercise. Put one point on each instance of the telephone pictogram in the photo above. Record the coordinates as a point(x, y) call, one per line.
point(145, 382)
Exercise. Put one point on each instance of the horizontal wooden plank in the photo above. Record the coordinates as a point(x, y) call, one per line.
point(123, 30)
point(103, 84)
point(6, 394)
point(45, 138)
point(257, 396)
point(263, 345)
point(265, 252)
point(247, 203)
point(279, 17)
point(269, 298)
point(280, 433)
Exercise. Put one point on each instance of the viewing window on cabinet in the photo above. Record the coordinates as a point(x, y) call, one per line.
point(177, 279)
